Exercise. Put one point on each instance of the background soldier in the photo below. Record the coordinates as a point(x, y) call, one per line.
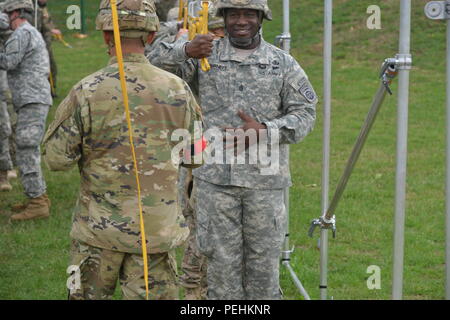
point(252, 85)
point(5, 124)
point(90, 130)
point(163, 7)
point(47, 28)
point(194, 263)
point(25, 58)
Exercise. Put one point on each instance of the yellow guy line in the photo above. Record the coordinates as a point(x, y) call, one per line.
point(127, 112)
point(204, 30)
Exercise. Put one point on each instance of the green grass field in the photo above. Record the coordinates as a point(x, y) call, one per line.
point(34, 255)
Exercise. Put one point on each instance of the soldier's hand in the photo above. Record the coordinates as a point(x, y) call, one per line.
point(250, 123)
point(233, 140)
point(200, 47)
point(56, 31)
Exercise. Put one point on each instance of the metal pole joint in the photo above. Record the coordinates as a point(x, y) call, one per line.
point(403, 61)
point(323, 223)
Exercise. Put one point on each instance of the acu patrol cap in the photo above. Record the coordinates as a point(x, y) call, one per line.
point(11, 5)
point(136, 17)
point(260, 5)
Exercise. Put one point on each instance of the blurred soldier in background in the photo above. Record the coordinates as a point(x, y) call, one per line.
point(163, 7)
point(25, 58)
point(194, 263)
point(5, 123)
point(47, 28)
point(90, 131)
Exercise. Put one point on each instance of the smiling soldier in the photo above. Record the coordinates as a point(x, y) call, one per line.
point(257, 88)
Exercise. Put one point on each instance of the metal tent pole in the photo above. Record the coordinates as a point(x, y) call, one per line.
point(285, 43)
point(440, 10)
point(328, 18)
point(447, 185)
point(404, 67)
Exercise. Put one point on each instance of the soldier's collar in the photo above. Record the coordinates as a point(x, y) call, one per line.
point(228, 53)
point(130, 57)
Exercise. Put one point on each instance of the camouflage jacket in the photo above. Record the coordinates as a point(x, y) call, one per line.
point(25, 57)
point(90, 130)
point(268, 85)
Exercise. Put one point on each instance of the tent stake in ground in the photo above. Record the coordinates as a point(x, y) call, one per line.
point(440, 10)
point(284, 41)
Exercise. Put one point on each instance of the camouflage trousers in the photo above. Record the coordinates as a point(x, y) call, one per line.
point(30, 130)
point(241, 232)
point(98, 271)
point(5, 133)
point(194, 263)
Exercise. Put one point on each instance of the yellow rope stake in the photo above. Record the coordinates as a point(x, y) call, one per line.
point(127, 112)
point(180, 10)
point(204, 30)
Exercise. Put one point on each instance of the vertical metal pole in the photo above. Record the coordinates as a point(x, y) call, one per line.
point(328, 30)
point(447, 185)
point(286, 254)
point(402, 132)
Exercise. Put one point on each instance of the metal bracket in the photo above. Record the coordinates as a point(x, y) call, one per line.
point(323, 223)
point(438, 10)
point(281, 38)
point(403, 61)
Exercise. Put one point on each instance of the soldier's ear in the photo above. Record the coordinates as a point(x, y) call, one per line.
point(107, 36)
point(151, 37)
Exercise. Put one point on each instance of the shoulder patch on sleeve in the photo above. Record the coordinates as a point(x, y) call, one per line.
point(306, 90)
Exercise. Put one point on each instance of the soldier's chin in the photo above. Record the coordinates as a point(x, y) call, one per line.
point(241, 42)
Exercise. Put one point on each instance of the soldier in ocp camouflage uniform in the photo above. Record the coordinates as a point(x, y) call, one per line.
point(90, 130)
point(252, 85)
point(25, 58)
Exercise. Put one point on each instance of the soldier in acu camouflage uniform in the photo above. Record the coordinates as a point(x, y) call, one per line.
point(5, 123)
point(47, 28)
point(25, 58)
point(252, 85)
point(90, 130)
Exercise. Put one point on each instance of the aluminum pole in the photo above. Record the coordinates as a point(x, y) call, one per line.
point(447, 184)
point(328, 18)
point(402, 131)
point(285, 42)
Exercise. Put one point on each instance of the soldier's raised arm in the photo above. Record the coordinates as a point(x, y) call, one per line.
point(180, 57)
point(15, 50)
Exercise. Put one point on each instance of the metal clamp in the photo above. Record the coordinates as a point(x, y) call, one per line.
point(404, 61)
point(281, 38)
point(323, 223)
point(388, 72)
point(437, 10)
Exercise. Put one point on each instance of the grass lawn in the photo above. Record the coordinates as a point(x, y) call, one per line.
point(34, 255)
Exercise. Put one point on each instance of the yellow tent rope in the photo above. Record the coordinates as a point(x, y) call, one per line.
point(127, 112)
